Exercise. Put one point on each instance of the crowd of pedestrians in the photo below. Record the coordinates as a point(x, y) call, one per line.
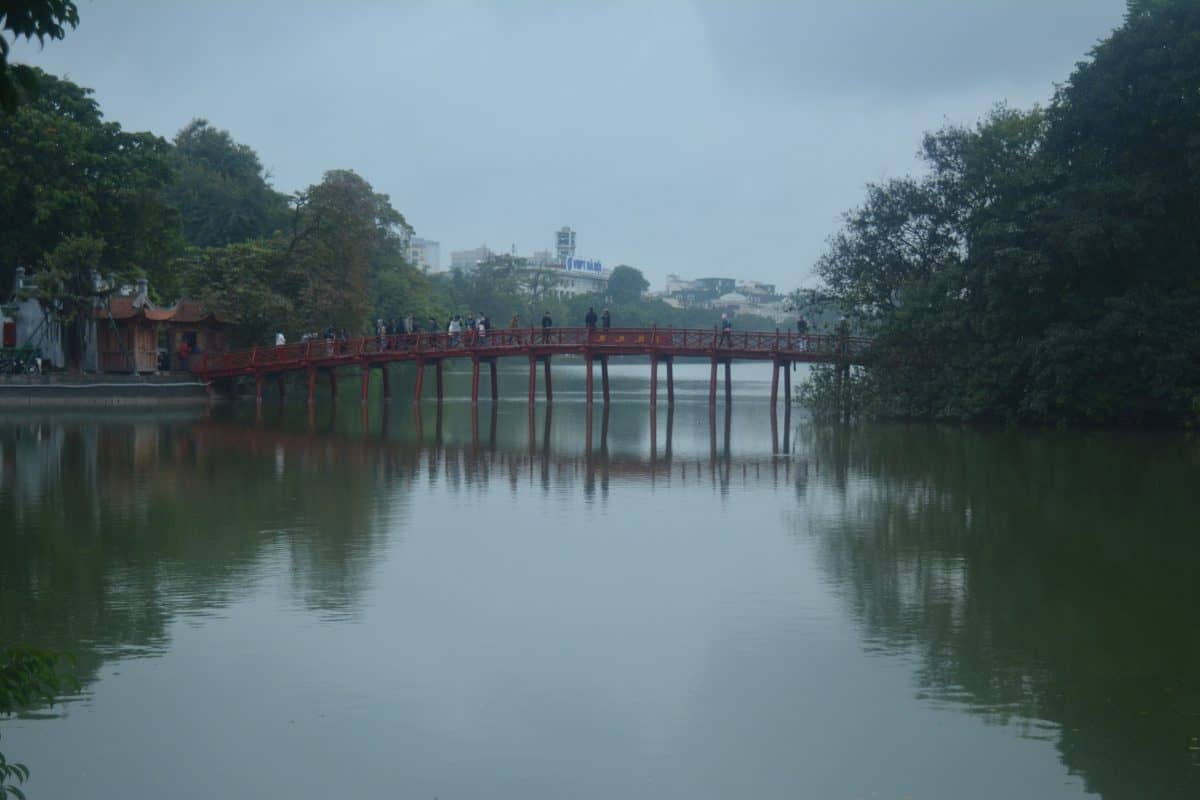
point(476, 330)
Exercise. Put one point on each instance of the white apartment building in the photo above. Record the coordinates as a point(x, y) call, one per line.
point(467, 259)
point(425, 254)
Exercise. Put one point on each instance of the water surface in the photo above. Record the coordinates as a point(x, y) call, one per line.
point(448, 604)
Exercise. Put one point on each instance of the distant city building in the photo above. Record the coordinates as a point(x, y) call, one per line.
point(425, 254)
point(541, 258)
point(758, 292)
point(727, 294)
point(564, 244)
point(469, 259)
point(565, 274)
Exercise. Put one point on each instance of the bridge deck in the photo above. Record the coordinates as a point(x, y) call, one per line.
point(536, 343)
point(666, 344)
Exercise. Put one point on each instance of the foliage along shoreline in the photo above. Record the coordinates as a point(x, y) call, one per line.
point(1045, 269)
point(198, 216)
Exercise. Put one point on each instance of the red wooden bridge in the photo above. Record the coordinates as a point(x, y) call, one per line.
point(432, 349)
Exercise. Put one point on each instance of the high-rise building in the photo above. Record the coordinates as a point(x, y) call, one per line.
point(468, 259)
point(564, 244)
point(540, 258)
point(425, 254)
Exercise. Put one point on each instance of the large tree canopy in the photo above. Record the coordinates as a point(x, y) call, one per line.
point(338, 263)
point(65, 171)
point(1044, 268)
point(29, 19)
point(626, 284)
point(221, 189)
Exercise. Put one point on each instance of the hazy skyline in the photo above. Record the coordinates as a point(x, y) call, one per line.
point(701, 138)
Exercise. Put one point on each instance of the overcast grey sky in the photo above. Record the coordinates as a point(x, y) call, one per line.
point(708, 137)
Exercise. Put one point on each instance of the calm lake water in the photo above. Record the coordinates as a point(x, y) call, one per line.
point(486, 606)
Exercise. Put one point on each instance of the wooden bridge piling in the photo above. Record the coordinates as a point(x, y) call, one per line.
point(712, 385)
point(588, 386)
point(604, 380)
point(387, 386)
point(670, 381)
point(420, 380)
point(366, 384)
point(653, 381)
point(441, 390)
point(532, 381)
point(728, 383)
point(333, 385)
point(549, 381)
point(495, 386)
point(474, 382)
point(775, 364)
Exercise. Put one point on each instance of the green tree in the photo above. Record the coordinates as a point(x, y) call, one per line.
point(626, 284)
point(28, 677)
point(65, 171)
point(1044, 267)
point(249, 283)
point(221, 189)
point(66, 289)
point(339, 262)
point(346, 238)
point(27, 19)
point(491, 287)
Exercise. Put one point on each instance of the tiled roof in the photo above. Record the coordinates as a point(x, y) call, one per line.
point(185, 311)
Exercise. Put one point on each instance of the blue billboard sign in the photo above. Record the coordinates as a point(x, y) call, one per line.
point(584, 265)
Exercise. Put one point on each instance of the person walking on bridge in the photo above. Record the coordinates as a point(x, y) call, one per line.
point(589, 321)
point(605, 320)
point(514, 325)
point(726, 331)
point(547, 324)
point(802, 330)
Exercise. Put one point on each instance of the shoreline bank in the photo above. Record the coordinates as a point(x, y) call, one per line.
point(98, 391)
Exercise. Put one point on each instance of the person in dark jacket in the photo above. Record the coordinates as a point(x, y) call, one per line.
point(605, 320)
point(547, 324)
point(590, 319)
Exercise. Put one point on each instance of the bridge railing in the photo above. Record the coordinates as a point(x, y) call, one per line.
point(322, 352)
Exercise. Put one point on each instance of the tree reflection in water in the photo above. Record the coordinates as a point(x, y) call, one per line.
point(1027, 571)
point(1033, 581)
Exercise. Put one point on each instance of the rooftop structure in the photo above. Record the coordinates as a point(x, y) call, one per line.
point(564, 241)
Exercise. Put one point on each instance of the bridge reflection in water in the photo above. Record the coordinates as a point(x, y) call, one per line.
point(416, 440)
